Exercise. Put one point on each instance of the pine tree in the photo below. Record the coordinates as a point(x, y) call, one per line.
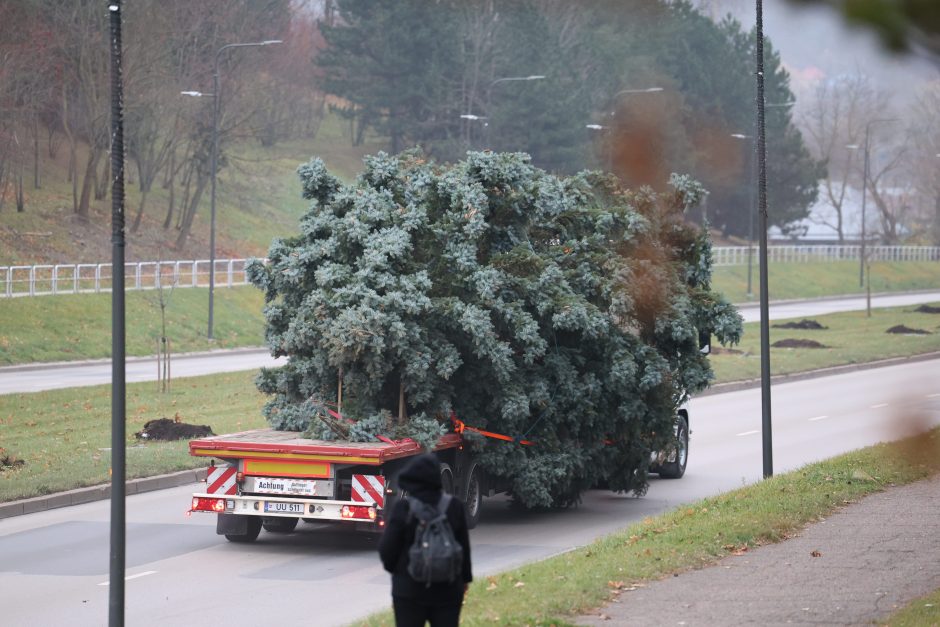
point(563, 310)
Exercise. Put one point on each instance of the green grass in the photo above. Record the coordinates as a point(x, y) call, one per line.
point(812, 280)
point(63, 436)
point(69, 327)
point(556, 590)
point(851, 337)
point(918, 613)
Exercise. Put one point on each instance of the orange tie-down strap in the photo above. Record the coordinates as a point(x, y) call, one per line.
point(460, 427)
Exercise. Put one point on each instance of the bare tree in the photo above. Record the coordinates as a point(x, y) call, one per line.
point(835, 130)
point(924, 137)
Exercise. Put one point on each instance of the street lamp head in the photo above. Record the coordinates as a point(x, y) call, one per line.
point(534, 77)
point(852, 146)
point(595, 127)
point(270, 42)
point(195, 94)
point(740, 136)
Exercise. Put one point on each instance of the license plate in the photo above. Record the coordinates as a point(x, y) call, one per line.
point(284, 508)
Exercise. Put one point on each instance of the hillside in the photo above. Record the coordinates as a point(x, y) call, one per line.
point(258, 198)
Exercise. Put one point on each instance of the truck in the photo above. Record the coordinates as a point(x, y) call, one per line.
point(271, 480)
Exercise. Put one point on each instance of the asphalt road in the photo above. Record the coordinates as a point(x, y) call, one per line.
point(54, 564)
point(38, 377)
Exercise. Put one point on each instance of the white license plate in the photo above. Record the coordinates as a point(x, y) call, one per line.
point(284, 508)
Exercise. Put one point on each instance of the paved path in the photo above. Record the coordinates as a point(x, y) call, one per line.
point(808, 308)
point(858, 566)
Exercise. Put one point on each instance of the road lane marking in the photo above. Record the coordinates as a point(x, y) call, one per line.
point(129, 577)
point(748, 433)
point(933, 395)
point(879, 405)
point(818, 418)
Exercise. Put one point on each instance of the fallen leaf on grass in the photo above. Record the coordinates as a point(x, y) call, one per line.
point(816, 554)
point(616, 585)
point(519, 584)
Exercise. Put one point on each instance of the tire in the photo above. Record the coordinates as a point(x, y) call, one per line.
point(674, 466)
point(472, 495)
point(448, 483)
point(279, 525)
point(254, 528)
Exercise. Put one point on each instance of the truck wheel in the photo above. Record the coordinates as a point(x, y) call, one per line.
point(447, 479)
point(251, 533)
point(473, 496)
point(674, 466)
point(279, 525)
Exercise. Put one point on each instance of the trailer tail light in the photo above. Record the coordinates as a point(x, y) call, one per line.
point(360, 512)
point(204, 504)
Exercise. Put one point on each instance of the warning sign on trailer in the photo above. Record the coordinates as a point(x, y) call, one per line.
point(303, 487)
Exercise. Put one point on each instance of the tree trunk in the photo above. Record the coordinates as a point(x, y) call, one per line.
point(140, 210)
point(3, 180)
point(88, 183)
point(103, 183)
point(191, 212)
point(36, 181)
point(20, 197)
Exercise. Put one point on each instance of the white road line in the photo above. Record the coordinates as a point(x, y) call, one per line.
point(818, 418)
point(933, 395)
point(879, 405)
point(129, 577)
point(748, 433)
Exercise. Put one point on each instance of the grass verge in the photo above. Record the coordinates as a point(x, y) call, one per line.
point(816, 280)
point(63, 436)
point(919, 612)
point(850, 338)
point(78, 326)
point(554, 591)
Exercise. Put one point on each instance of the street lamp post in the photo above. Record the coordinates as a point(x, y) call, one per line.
point(601, 128)
point(489, 91)
point(215, 158)
point(865, 171)
point(750, 211)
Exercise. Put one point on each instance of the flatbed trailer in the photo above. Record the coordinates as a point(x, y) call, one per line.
point(273, 479)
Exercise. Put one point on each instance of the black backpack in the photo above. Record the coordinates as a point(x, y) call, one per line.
point(435, 555)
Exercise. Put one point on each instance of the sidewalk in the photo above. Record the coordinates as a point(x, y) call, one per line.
point(857, 566)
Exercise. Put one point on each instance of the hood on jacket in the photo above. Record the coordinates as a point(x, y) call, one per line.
point(422, 478)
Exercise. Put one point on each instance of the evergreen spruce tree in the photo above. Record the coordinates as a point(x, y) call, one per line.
point(565, 311)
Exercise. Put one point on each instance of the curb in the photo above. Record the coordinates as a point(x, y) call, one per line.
point(735, 386)
point(99, 493)
point(139, 358)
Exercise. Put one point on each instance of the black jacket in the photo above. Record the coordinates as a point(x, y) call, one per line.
point(422, 480)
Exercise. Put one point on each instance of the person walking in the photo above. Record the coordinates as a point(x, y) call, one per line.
point(417, 602)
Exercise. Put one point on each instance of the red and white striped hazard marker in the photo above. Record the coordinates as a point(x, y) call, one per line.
point(221, 480)
point(369, 489)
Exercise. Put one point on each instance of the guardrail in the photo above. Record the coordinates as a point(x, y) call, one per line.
point(91, 278)
point(737, 255)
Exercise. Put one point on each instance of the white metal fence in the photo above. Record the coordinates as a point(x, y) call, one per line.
point(82, 278)
point(737, 255)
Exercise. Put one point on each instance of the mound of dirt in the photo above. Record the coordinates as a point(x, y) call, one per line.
point(928, 309)
point(802, 324)
point(8, 462)
point(167, 430)
point(797, 343)
point(903, 330)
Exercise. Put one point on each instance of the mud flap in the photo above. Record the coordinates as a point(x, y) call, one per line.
point(231, 524)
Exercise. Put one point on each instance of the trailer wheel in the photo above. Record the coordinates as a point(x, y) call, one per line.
point(251, 532)
point(674, 466)
point(473, 495)
point(279, 525)
point(447, 479)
